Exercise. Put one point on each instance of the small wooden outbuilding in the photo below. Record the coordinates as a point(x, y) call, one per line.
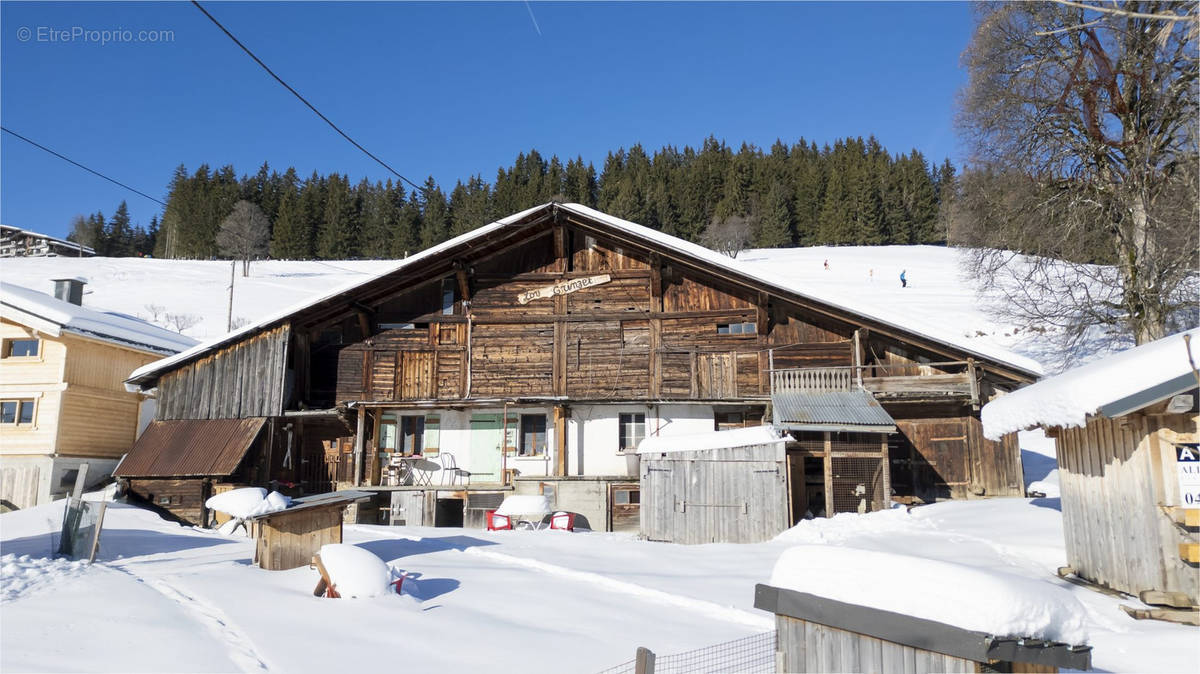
point(288, 539)
point(724, 486)
point(817, 634)
point(1127, 430)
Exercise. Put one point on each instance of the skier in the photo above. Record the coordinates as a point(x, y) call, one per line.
point(903, 279)
point(826, 265)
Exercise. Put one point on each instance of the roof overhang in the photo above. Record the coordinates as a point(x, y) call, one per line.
point(1147, 397)
point(849, 411)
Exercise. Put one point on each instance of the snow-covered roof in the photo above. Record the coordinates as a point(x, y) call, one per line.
point(1110, 386)
point(666, 241)
point(53, 316)
point(996, 603)
point(737, 437)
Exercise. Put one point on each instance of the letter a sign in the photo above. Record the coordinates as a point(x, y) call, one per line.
point(1187, 466)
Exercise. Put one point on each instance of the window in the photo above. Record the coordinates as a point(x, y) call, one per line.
point(404, 435)
point(20, 348)
point(448, 285)
point(412, 435)
point(624, 496)
point(398, 326)
point(736, 328)
point(633, 429)
point(16, 412)
point(533, 435)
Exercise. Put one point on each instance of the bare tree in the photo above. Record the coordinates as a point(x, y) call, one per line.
point(181, 322)
point(244, 234)
point(1082, 122)
point(729, 235)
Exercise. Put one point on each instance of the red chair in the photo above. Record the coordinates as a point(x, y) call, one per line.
point(498, 522)
point(564, 521)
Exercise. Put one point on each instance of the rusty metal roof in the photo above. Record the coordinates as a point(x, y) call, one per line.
point(855, 410)
point(199, 447)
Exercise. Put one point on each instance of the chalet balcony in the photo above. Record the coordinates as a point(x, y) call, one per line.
point(953, 379)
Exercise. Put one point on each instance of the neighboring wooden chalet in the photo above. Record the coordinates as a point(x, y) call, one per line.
point(1127, 432)
point(541, 349)
point(62, 401)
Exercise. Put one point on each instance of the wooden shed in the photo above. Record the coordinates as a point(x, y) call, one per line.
point(174, 464)
point(817, 634)
point(719, 487)
point(1126, 428)
point(288, 539)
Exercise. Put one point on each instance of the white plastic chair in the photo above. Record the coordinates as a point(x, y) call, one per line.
point(450, 469)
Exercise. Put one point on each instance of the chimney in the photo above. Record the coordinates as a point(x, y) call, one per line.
point(69, 290)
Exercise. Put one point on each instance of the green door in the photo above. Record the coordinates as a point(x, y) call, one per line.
point(485, 448)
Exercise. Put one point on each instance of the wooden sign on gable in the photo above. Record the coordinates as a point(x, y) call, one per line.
point(563, 288)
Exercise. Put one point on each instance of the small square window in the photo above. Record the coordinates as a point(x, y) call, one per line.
point(632, 430)
point(21, 348)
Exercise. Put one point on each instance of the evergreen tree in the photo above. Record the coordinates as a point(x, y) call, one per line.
point(119, 233)
point(338, 237)
point(291, 239)
point(773, 224)
point(435, 215)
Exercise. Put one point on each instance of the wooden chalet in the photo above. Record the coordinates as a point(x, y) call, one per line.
point(539, 350)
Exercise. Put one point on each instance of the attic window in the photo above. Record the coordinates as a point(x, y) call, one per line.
point(20, 348)
point(736, 328)
point(448, 285)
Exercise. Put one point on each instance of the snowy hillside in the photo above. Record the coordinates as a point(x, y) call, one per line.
point(866, 279)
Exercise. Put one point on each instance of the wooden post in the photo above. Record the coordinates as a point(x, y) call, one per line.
point(644, 661)
point(229, 315)
point(828, 474)
point(80, 481)
point(358, 447)
point(560, 440)
point(887, 473)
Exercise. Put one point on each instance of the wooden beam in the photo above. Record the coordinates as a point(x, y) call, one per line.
point(560, 440)
point(762, 317)
point(828, 474)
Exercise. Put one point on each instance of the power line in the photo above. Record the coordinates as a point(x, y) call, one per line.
point(302, 99)
point(72, 161)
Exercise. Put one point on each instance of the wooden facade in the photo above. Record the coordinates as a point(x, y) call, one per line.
point(1123, 516)
point(728, 495)
point(561, 314)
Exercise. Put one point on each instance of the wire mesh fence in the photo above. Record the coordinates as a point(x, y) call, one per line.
point(747, 655)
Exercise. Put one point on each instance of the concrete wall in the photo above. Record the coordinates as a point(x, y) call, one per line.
point(584, 495)
point(26, 481)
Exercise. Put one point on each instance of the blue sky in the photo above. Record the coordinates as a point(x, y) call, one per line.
point(449, 89)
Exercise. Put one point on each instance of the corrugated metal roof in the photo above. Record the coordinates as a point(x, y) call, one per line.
point(826, 410)
point(207, 447)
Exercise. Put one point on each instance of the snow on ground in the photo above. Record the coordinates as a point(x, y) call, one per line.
point(151, 288)
point(169, 598)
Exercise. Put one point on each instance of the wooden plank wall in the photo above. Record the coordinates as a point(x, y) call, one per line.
point(722, 495)
point(184, 498)
point(814, 648)
point(289, 540)
point(1114, 475)
point(951, 459)
point(240, 381)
